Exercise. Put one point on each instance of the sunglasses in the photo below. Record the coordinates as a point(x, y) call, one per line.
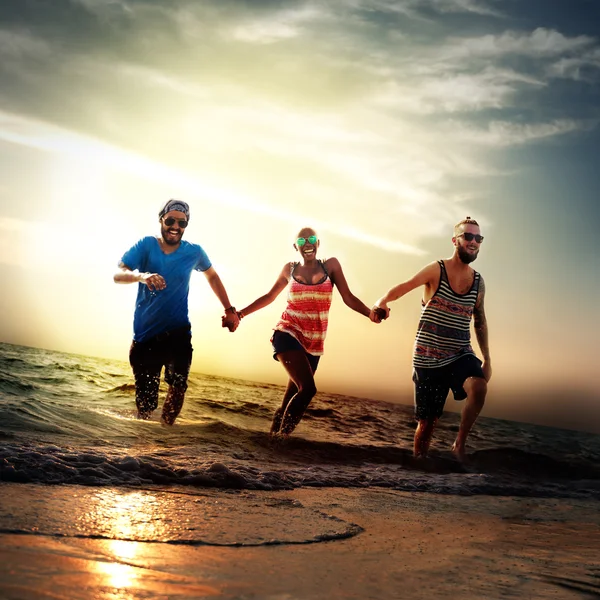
point(311, 239)
point(472, 236)
point(171, 221)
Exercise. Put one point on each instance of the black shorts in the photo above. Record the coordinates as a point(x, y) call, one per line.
point(432, 385)
point(282, 342)
point(171, 350)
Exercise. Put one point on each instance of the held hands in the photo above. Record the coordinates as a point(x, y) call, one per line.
point(379, 313)
point(230, 319)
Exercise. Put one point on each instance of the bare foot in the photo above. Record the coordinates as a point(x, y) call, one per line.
point(168, 416)
point(279, 439)
point(459, 452)
point(425, 463)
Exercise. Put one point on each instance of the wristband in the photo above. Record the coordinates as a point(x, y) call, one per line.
point(231, 309)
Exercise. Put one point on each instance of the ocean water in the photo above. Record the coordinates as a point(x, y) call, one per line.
point(69, 420)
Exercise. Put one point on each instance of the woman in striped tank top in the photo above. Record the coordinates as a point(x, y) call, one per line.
point(299, 335)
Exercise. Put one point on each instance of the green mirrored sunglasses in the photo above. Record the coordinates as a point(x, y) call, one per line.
point(311, 239)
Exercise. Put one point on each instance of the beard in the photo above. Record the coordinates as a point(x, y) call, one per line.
point(167, 240)
point(465, 256)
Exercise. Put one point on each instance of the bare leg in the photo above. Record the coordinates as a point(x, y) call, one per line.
point(173, 404)
point(290, 392)
point(423, 435)
point(476, 388)
point(300, 373)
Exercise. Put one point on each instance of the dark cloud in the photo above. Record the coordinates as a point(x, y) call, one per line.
point(81, 63)
point(66, 24)
point(576, 17)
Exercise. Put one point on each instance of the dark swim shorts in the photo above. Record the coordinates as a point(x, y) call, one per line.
point(171, 350)
point(432, 385)
point(282, 342)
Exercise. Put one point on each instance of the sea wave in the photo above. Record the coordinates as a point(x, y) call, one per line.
point(67, 419)
point(258, 463)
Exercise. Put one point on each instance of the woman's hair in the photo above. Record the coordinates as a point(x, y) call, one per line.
point(306, 227)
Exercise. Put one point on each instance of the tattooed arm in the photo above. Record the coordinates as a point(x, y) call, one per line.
point(481, 331)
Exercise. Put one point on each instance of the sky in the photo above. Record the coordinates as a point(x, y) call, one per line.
point(379, 123)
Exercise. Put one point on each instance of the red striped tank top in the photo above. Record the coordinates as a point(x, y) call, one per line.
point(307, 312)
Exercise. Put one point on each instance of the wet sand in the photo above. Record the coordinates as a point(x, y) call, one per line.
point(299, 544)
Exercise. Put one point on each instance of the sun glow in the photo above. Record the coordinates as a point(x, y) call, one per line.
point(88, 163)
point(117, 576)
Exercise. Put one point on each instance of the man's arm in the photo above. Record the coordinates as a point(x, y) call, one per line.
point(154, 281)
point(231, 320)
point(426, 276)
point(481, 331)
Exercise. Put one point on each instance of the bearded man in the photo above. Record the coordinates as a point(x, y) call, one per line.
point(162, 266)
point(443, 358)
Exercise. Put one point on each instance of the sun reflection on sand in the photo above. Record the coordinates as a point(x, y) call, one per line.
point(126, 516)
point(117, 575)
point(130, 562)
point(123, 550)
point(130, 516)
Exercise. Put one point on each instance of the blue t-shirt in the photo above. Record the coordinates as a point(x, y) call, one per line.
point(157, 311)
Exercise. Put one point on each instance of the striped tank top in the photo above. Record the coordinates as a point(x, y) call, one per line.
point(444, 332)
point(307, 312)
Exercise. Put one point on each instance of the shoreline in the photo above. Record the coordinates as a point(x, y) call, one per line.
point(383, 544)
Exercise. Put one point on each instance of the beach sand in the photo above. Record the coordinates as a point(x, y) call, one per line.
point(309, 543)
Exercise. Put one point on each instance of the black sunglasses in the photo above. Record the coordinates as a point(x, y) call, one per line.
point(472, 236)
point(181, 222)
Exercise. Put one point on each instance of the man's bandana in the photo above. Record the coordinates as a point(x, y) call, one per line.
point(179, 205)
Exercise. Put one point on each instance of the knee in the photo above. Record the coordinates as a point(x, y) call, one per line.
point(426, 425)
point(309, 389)
point(177, 383)
point(177, 390)
point(478, 389)
point(303, 398)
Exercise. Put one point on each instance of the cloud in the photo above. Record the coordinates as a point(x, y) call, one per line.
point(154, 78)
point(585, 67)
point(42, 136)
point(539, 43)
point(21, 44)
point(264, 33)
point(477, 73)
point(457, 92)
point(287, 109)
point(419, 8)
point(504, 134)
point(465, 6)
point(280, 25)
point(106, 8)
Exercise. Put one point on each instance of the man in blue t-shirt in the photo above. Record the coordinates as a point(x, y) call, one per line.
point(162, 266)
